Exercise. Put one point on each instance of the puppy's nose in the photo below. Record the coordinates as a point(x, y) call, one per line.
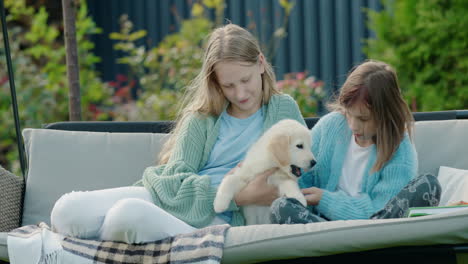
point(312, 163)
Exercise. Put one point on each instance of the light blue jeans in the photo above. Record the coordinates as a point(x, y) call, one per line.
point(125, 214)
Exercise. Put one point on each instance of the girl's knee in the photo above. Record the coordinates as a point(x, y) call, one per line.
point(64, 209)
point(128, 211)
point(129, 214)
point(284, 202)
point(127, 220)
point(435, 188)
point(275, 205)
point(432, 180)
point(70, 215)
point(431, 184)
point(283, 208)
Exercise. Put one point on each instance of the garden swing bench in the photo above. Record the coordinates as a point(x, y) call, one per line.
point(64, 156)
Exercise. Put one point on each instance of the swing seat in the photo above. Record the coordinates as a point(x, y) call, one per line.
point(72, 156)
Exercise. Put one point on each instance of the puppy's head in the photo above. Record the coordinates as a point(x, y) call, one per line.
point(290, 146)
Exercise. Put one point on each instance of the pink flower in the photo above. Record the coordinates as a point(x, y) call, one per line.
point(300, 75)
point(310, 81)
point(114, 84)
point(4, 80)
point(92, 108)
point(281, 84)
point(121, 78)
point(291, 82)
point(318, 84)
point(123, 92)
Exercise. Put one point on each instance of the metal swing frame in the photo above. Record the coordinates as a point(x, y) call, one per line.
point(14, 104)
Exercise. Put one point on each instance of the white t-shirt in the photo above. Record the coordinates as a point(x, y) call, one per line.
point(354, 166)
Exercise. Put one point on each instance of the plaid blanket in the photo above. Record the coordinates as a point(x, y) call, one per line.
point(201, 246)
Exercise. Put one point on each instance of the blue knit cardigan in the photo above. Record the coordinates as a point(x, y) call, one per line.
point(330, 140)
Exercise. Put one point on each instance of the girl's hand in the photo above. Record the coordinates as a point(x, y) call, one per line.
point(313, 195)
point(258, 191)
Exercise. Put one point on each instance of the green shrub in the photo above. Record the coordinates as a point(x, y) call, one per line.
point(427, 42)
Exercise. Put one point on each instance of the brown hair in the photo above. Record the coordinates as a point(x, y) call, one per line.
point(375, 84)
point(204, 95)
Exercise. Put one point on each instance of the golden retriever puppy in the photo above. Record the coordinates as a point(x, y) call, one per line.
point(286, 145)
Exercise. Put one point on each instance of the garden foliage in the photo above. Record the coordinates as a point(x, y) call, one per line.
point(158, 74)
point(38, 57)
point(427, 42)
point(162, 71)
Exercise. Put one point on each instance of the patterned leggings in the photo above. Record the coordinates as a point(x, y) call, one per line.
point(422, 191)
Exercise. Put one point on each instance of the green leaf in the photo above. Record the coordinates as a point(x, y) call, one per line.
point(197, 10)
point(137, 35)
point(117, 36)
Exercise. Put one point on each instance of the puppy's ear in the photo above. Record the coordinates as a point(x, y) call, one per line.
point(279, 148)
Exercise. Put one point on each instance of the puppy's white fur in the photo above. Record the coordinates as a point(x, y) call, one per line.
point(286, 143)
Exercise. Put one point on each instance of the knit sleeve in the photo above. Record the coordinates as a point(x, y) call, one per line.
point(310, 178)
point(317, 133)
point(176, 187)
point(387, 183)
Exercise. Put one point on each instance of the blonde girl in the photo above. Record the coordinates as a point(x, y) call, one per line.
point(231, 102)
point(365, 156)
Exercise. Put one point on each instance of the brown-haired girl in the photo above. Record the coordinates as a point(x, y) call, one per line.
point(365, 156)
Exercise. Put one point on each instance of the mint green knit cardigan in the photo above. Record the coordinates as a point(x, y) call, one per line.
point(178, 189)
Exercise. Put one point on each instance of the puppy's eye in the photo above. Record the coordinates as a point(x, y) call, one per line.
point(300, 146)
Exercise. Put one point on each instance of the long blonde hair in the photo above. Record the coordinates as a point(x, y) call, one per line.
point(204, 95)
point(375, 84)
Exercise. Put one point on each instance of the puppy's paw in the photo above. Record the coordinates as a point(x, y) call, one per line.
point(221, 203)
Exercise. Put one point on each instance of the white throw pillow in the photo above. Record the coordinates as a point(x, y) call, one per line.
point(454, 183)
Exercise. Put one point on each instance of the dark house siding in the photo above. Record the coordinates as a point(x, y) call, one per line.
point(325, 37)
